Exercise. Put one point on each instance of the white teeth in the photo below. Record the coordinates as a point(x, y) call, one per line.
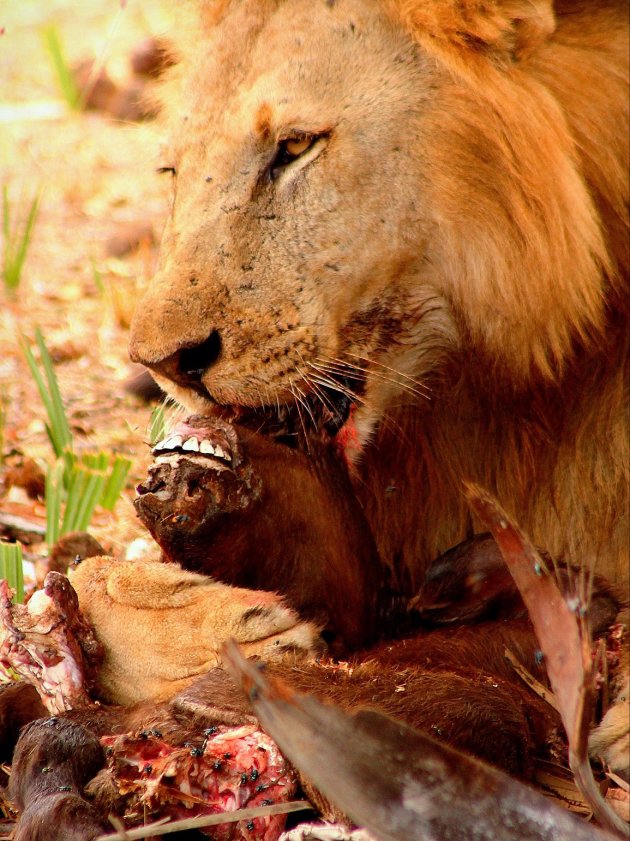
point(172, 443)
point(192, 445)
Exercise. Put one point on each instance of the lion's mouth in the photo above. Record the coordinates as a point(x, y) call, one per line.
point(323, 414)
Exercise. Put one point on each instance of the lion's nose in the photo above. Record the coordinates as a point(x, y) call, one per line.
point(187, 366)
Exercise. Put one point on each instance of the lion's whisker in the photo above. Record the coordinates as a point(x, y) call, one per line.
point(301, 397)
point(299, 411)
point(328, 382)
point(416, 382)
point(319, 392)
point(340, 367)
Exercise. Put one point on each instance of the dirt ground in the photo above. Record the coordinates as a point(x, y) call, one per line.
point(96, 175)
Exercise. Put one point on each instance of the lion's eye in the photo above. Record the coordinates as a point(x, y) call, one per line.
point(295, 148)
point(290, 149)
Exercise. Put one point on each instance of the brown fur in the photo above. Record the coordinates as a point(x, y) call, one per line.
point(278, 520)
point(54, 761)
point(453, 683)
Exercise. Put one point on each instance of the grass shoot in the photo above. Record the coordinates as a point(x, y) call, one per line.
point(75, 484)
point(65, 79)
point(163, 417)
point(11, 568)
point(17, 238)
point(58, 428)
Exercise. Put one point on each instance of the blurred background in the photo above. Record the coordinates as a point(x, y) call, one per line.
point(82, 212)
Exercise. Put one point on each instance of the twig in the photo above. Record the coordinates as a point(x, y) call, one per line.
point(530, 680)
point(15, 526)
point(101, 60)
point(618, 780)
point(118, 826)
point(161, 828)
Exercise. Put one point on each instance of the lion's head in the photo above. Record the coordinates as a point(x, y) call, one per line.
point(365, 192)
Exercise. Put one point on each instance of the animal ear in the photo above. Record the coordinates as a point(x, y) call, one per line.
point(460, 30)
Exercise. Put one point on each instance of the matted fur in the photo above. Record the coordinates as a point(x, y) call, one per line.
point(466, 226)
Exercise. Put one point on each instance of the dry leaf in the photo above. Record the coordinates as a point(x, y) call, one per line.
point(563, 640)
point(400, 784)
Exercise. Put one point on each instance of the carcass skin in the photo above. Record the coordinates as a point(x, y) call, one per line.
point(264, 516)
point(437, 681)
point(453, 682)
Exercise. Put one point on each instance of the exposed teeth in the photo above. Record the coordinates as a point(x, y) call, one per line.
point(172, 443)
point(191, 445)
point(220, 453)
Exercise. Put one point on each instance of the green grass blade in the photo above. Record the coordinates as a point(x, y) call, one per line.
point(97, 277)
point(17, 262)
point(83, 500)
point(57, 427)
point(53, 494)
point(12, 569)
point(74, 494)
point(115, 483)
point(70, 462)
point(93, 493)
point(95, 461)
point(41, 387)
point(64, 74)
point(74, 486)
point(157, 423)
point(19, 574)
point(57, 413)
point(16, 240)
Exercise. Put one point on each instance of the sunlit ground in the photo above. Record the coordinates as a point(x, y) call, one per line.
point(95, 174)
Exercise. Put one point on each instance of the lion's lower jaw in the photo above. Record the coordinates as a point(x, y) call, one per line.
point(327, 414)
point(194, 404)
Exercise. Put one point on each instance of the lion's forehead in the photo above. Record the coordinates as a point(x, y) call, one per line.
point(293, 57)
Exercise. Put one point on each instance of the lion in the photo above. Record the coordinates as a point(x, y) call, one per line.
point(164, 603)
point(402, 226)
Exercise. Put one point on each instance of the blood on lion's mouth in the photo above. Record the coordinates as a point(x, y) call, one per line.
point(323, 413)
